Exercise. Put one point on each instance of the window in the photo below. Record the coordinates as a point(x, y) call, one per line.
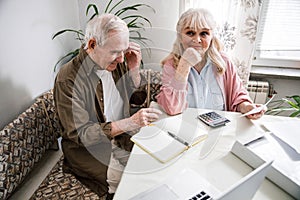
point(278, 35)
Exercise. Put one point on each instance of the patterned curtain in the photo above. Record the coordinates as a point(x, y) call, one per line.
point(237, 20)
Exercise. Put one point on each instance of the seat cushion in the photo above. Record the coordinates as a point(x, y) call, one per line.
point(61, 185)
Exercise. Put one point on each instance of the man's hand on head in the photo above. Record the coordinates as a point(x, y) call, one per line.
point(133, 56)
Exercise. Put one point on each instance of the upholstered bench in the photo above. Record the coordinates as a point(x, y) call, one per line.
point(30, 157)
point(28, 150)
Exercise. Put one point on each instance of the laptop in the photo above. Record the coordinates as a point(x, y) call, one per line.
point(189, 184)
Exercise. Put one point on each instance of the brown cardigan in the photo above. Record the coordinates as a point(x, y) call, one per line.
point(78, 96)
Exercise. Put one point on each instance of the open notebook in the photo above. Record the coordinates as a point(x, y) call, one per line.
point(188, 184)
point(168, 138)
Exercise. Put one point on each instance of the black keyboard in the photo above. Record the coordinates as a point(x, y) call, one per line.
point(201, 196)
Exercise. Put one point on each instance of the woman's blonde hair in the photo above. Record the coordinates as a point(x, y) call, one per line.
point(198, 18)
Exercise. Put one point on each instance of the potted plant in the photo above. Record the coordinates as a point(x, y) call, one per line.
point(130, 14)
point(289, 104)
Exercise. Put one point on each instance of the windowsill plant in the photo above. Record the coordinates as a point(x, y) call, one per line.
point(289, 105)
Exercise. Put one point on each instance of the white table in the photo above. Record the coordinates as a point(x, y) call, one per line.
point(220, 167)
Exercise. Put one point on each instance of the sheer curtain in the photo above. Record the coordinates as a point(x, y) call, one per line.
point(237, 20)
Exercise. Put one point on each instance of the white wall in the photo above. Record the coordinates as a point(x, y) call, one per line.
point(28, 54)
point(163, 31)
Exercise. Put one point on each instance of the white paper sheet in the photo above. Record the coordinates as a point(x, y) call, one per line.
point(287, 131)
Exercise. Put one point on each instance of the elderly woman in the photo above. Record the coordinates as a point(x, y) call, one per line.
point(198, 74)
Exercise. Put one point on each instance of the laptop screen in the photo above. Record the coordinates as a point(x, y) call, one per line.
point(188, 184)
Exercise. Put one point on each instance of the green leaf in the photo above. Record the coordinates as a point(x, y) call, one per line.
point(273, 112)
point(137, 16)
point(295, 114)
point(282, 109)
point(132, 22)
point(106, 8)
point(121, 11)
point(296, 98)
point(133, 7)
point(93, 16)
point(134, 32)
point(110, 11)
point(72, 54)
point(92, 6)
point(292, 104)
point(67, 30)
point(135, 26)
point(138, 38)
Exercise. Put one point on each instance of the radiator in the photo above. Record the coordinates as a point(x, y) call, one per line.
point(258, 91)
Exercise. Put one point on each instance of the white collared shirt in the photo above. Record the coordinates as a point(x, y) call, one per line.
point(113, 103)
point(204, 90)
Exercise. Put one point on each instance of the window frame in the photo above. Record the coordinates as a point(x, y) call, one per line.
point(270, 62)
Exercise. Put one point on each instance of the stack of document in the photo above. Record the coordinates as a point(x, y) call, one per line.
point(283, 146)
point(287, 131)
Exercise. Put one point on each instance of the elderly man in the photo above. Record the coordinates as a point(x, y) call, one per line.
point(92, 95)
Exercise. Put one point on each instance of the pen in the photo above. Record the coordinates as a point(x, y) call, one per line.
point(178, 139)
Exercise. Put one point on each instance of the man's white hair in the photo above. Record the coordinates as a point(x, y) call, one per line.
point(99, 27)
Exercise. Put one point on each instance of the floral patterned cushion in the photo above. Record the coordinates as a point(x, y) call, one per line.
point(24, 141)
